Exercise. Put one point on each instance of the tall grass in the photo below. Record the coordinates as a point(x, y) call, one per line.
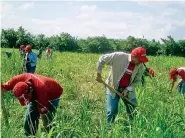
point(82, 111)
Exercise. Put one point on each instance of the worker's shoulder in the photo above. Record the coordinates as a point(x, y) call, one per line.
point(33, 53)
point(119, 53)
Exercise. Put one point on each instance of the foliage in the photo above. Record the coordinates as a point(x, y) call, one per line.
point(82, 111)
point(99, 44)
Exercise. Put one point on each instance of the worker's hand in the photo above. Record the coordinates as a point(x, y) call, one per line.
point(99, 78)
point(124, 92)
point(25, 107)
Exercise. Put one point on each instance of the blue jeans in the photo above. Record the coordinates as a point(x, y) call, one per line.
point(112, 107)
point(182, 88)
point(32, 115)
point(31, 70)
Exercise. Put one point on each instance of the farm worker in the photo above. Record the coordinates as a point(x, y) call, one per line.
point(125, 73)
point(21, 49)
point(40, 53)
point(178, 73)
point(148, 72)
point(48, 53)
point(40, 94)
point(30, 60)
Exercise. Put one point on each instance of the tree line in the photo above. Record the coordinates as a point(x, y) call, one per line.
point(11, 38)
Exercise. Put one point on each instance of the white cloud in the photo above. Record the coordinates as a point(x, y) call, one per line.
point(7, 11)
point(27, 5)
point(90, 20)
point(156, 3)
point(122, 24)
point(169, 12)
point(87, 8)
point(69, 3)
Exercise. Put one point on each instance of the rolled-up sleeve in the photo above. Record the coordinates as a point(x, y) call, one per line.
point(104, 59)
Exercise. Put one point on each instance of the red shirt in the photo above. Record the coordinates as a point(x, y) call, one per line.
point(181, 73)
point(124, 82)
point(46, 89)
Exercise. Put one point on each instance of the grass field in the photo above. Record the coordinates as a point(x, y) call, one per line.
point(83, 105)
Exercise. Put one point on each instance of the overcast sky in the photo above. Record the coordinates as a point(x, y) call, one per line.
point(94, 18)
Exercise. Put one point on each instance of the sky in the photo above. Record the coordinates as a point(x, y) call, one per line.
point(114, 19)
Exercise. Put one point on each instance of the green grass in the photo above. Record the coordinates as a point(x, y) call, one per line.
point(83, 105)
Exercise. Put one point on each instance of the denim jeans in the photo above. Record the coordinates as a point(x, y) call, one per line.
point(182, 88)
point(32, 116)
point(112, 107)
point(31, 70)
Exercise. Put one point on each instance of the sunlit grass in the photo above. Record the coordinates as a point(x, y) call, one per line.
point(83, 105)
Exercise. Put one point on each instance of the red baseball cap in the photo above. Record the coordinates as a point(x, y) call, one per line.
point(22, 46)
point(28, 48)
point(173, 72)
point(20, 93)
point(140, 54)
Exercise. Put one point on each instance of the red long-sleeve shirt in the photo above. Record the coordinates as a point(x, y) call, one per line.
point(46, 89)
point(181, 73)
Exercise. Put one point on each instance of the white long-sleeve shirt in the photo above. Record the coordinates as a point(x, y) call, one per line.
point(119, 62)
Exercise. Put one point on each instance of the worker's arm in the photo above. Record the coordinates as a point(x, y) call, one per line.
point(12, 82)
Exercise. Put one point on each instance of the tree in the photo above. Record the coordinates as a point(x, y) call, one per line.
point(130, 43)
point(98, 44)
point(24, 38)
point(68, 42)
point(41, 41)
point(9, 38)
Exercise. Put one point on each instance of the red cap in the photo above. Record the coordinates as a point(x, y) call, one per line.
point(20, 93)
point(173, 71)
point(21, 46)
point(28, 48)
point(140, 54)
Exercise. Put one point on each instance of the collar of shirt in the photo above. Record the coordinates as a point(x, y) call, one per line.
point(129, 57)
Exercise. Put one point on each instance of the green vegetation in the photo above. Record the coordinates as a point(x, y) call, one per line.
point(83, 105)
point(65, 42)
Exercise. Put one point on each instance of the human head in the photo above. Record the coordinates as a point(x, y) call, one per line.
point(138, 55)
point(21, 93)
point(28, 48)
point(21, 46)
point(173, 74)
